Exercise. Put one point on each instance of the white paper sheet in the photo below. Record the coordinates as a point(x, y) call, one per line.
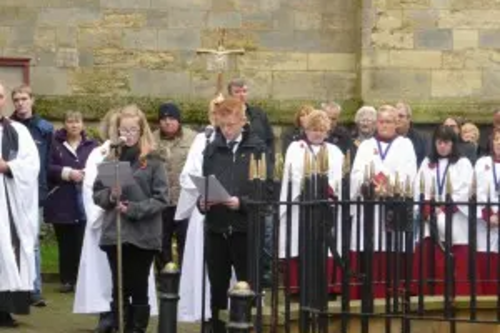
point(216, 192)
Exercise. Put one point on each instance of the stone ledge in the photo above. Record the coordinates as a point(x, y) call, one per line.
point(433, 310)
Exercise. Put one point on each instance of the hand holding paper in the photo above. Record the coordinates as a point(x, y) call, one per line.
point(233, 203)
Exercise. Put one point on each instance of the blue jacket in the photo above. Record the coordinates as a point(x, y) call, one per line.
point(41, 132)
point(64, 203)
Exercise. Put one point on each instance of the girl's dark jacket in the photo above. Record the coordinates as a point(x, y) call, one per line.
point(146, 199)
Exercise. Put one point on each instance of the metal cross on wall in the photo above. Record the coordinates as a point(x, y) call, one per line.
point(218, 60)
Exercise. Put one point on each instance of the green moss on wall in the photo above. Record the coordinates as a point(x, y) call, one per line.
point(194, 111)
point(279, 112)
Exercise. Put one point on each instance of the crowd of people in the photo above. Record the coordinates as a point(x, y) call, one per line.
point(58, 171)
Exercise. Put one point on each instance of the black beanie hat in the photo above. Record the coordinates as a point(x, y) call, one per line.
point(169, 110)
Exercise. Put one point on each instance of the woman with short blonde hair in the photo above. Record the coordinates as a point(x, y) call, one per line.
point(316, 130)
point(470, 133)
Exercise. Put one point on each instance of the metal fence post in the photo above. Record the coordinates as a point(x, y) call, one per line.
point(240, 313)
point(169, 298)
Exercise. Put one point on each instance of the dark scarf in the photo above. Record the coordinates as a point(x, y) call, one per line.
point(130, 154)
point(10, 140)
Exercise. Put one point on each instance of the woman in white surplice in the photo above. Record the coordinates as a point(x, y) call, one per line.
point(94, 285)
point(190, 289)
point(317, 125)
point(488, 181)
point(445, 160)
point(388, 155)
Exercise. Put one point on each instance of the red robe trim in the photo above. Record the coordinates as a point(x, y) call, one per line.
point(334, 276)
point(433, 269)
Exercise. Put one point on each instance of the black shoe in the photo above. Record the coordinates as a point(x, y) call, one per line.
point(6, 320)
point(106, 323)
point(67, 288)
point(37, 301)
point(140, 318)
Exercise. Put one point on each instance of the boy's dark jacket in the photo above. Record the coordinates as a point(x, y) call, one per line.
point(232, 170)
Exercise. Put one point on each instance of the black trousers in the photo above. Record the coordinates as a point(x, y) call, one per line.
point(137, 264)
point(172, 228)
point(225, 251)
point(69, 241)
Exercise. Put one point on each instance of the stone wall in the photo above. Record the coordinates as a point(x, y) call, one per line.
point(440, 55)
point(296, 49)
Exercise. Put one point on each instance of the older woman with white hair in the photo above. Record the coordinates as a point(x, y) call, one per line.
point(365, 120)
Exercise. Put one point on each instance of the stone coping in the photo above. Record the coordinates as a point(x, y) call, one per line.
point(432, 304)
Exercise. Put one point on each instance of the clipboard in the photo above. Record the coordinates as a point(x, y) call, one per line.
point(106, 173)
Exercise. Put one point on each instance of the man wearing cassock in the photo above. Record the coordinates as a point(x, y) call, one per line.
point(19, 168)
point(388, 155)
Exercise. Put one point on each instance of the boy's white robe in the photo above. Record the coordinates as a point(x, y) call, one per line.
point(400, 159)
point(486, 187)
point(461, 176)
point(294, 162)
point(22, 191)
point(94, 285)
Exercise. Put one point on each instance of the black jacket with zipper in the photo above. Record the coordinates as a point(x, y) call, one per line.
point(232, 171)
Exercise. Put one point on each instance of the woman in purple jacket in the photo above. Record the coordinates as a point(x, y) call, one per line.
point(64, 206)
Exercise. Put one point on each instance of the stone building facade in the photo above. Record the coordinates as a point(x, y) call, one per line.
point(440, 55)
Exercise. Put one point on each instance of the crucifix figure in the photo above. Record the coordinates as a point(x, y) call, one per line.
point(218, 60)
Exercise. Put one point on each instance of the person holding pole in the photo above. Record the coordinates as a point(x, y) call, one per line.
point(137, 209)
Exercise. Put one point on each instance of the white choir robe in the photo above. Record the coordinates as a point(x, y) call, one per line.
point(22, 191)
point(400, 159)
point(461, 177)
point(94, 284)
point(486, 187)
point(294, 162)
point(190, 288)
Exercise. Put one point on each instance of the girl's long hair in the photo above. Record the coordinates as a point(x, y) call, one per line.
point(444, 133)
point(146, 140)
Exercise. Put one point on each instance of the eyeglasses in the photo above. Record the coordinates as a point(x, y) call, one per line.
point(129, 131)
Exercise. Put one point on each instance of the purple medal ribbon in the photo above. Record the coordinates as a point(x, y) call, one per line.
point(441, 182)
point(383, 153)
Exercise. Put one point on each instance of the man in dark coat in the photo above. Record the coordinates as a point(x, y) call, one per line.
point(260, 126)
point(339, 135)
point(405, 128)
point(41, 131)
point(228, 159)
point(256, 117)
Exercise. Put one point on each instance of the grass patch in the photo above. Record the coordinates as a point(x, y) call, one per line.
point(50, 255)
